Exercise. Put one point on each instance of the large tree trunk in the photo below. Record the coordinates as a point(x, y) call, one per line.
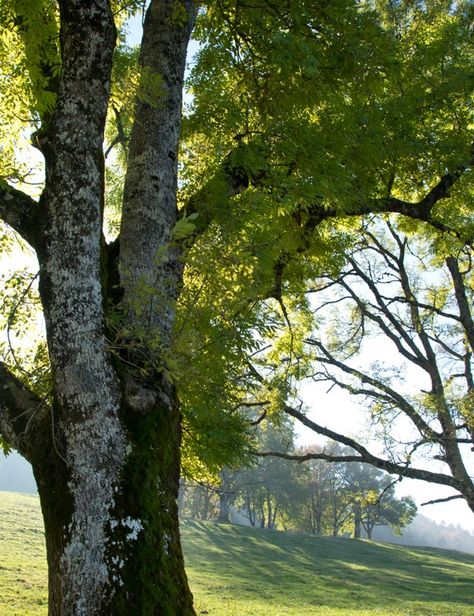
point(113, 538)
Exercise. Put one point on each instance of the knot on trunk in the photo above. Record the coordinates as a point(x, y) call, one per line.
point(138, 397)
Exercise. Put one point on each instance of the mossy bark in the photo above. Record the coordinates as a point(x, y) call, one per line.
point(153, 575)
point(141, 550)
point(52, 477)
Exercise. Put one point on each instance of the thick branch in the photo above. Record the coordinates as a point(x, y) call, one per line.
point(147, 256)
point(305, 457)
point(461, 299)
point(19, 407)
point(235, 176)
point(420, 210)
point(365, 456)
point(20, 212)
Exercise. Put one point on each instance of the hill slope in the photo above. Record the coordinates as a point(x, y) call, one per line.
point(251, 572)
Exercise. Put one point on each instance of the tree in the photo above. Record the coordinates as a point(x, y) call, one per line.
point(198, 501)
point(418, 304)
point(326, 504)
point(302, 114)
point(271, 489)
point(389, 511)
point(211, 499)
point(226, 493)
point(373, 502)
point(318, 495)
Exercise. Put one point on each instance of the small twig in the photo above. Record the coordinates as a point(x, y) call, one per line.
point(260, 419)
point(386, 489)
point(442, 500)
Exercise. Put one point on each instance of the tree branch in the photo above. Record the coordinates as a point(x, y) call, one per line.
point(364, 455)
point(19, 407)
point(420, 210)
point(442, 500)
point(394, 329)
point(391, 395)
point(20, 212)
point(465, 315)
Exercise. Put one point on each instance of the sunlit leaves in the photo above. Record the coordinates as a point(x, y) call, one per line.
point(29, 71)
point(350, 102)
point(22, 345)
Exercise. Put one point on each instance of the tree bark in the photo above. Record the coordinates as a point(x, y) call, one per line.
point(106, 451)
point(224, 504)
point(108, 553)
point(357, 521)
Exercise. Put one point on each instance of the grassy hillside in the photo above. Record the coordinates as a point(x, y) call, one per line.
point(237, 571)
point(22, 556)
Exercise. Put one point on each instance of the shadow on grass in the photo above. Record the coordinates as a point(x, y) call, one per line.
point(337, 572)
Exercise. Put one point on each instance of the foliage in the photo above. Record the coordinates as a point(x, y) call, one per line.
point(360, 118)
point(28, 76)
point(361, 122)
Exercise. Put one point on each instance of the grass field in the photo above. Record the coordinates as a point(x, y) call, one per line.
point(235, 571)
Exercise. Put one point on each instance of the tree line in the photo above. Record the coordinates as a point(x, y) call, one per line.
point(317, 497)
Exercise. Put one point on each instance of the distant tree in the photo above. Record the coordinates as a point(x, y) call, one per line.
point(371, 495)
point(325, 501)
point(268, 489)
point(317, 487)
point(330, 498)
point(340, 502)
point(387, 510)
point(199, 501)
point(226, 492)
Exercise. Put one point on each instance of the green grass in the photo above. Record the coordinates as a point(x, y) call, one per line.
point(23, 576)
point(237, 571)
